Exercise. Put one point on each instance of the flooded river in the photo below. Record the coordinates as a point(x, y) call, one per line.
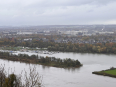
point(74, 77)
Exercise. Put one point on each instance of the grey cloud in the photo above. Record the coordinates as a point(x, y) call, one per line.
point(72, 2)
point(43, 12)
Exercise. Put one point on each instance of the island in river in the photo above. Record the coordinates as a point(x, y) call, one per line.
point(35, 59)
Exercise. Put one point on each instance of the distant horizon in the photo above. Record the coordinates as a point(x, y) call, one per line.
point(52, 25)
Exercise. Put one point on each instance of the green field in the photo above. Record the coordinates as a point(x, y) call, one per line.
point(109, 72)
point(112, 72)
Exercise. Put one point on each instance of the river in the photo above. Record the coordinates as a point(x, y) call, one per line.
point(72, 77)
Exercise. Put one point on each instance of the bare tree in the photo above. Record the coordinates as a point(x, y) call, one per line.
point(30, 79)
point(33, 79)
point(2, 75)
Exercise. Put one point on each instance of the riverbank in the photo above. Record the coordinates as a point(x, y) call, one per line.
point(36, 49)
point(109, 72)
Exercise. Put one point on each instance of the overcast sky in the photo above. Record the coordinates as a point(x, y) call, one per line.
point(57, 12)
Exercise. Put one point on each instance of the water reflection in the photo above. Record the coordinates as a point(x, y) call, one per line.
point(45, 67)
point(72, 69)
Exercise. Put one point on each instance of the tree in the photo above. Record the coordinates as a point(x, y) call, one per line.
point(33, 79)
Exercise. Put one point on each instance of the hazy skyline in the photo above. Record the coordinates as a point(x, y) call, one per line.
point(61, 12)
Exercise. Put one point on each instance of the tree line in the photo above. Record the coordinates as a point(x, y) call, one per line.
point(108, 47)
point(84, 48)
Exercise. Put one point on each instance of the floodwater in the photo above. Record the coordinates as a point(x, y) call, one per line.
point(72, 77)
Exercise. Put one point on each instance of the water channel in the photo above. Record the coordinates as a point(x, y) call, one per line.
point(72, 77)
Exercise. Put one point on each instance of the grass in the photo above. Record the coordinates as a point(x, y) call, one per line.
point(112, 72)
point(109, 72)
point(19, 48)
point(11, 48)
